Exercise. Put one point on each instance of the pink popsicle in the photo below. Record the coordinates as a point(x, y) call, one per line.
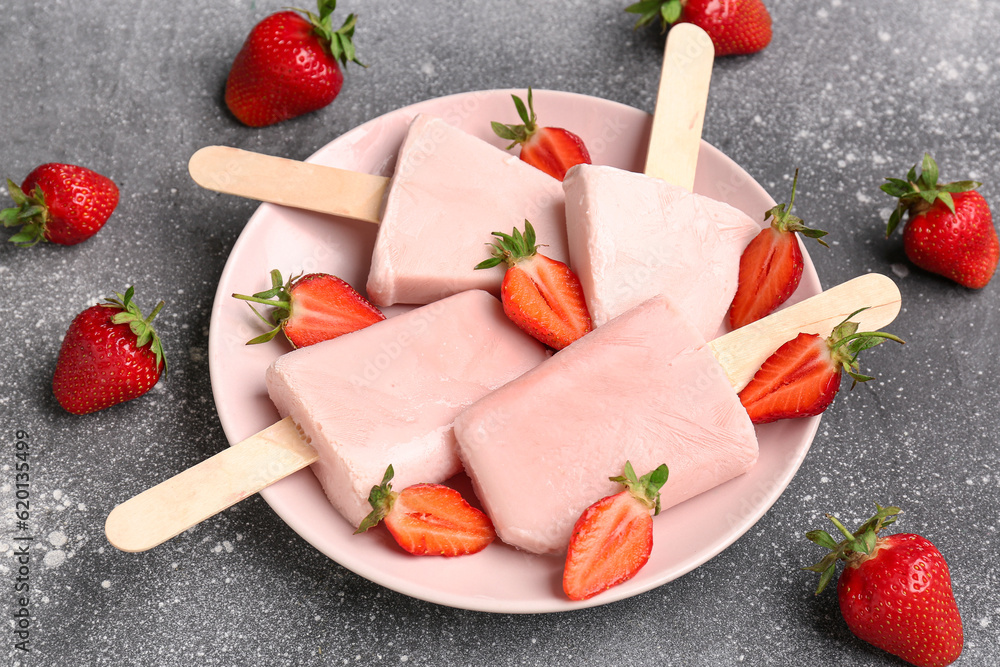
point(388, 394)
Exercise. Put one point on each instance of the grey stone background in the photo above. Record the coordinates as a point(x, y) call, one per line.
point(847, 92)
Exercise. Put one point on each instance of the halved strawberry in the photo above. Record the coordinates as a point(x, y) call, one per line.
point(771, 265)
point(552, 149)
point(312, 308)
point(428, 519)
point(541, 295)
point(801, 378)
point(613, 538)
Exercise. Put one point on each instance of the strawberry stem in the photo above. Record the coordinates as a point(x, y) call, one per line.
point(381, 498)
point(511, 248)
point(339, 43)
point(29, 213)
point(846, 343)
point(784, 221)
point(862, 540)
point(142, 327)
point(519, 134)
point(280, 297)
point(646, 489)
point(649, 11)
point(918, 192)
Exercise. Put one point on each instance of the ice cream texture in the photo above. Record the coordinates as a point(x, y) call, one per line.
point(632, 237)
point(644, 387)
point(389, 393)
point(449, 192)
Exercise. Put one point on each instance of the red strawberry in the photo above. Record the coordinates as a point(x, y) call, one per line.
point(949, 230)
point(541, 295)
point(312, 308)
point(802, 377)
point(551, 149)
point(110, 354)
point(428, 519)
point(289, 66)
point(737, 27)
point(895, 591)
point(771, 265)
point(613, 538)
point(61, 203)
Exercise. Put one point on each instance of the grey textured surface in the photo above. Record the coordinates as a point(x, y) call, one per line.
point(848, 92)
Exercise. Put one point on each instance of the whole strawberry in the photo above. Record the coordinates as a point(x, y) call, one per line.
point(737, 27)
point(110, 354)
point(61, 203)
point(949, 230)
point(552, 149)
point(895, 591)
point(289, 65)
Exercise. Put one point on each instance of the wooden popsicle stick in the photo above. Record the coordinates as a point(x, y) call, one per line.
point(191, 496)
point(741, 352)
point(681, 99)
point(287, 182)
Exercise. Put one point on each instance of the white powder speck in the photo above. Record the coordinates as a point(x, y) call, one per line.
point(105, 584)
point(57, 494)
point(901, 270)
point(985, 622)
point(57, 538)
point(54, 558)
point(883, 36)
point(428, 69)
point(824, 480)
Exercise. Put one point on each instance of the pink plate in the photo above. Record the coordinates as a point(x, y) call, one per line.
point(500, 578)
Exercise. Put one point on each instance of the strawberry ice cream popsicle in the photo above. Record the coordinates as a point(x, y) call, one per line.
point(632, 237)
point(388, 394)
point(448, 193)
point(645, 387)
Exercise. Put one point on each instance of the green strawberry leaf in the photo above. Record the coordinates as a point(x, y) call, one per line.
point(822, 538)
point(946, 198)
point(504, 132)
point(489, 263)
point(9, 217)
point(522, 110)
point(959, 186)
point(670, 12)
point(381, 498)
point(929, 171)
